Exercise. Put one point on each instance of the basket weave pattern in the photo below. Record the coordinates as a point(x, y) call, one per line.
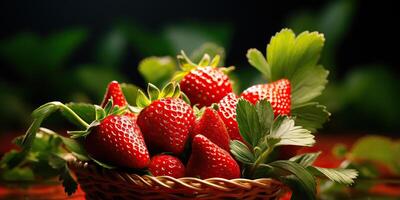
point(100, 183)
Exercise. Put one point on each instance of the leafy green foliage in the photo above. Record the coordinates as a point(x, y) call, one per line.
point(209, 48)
point(130, 92)
point(157, 70)
point(263, 133)
point(296, 58)
point(310, 115)
point(253, 121)
point(387, 153)
point(43, 160)
point(241, 152)
point(343, 176)
point(306, 159)
point(284, 132)
point(297, 177)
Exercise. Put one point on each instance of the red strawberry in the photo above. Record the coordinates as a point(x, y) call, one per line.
point(166, 165)
point(117, 140)
point(227, 112)
point(212, 126)
point(114, 92)
point(206, 85)
point(208, 160)
point(166, 121)
point(277, 93)
point(203, 83)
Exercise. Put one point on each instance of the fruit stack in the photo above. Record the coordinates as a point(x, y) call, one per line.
point(196, 138)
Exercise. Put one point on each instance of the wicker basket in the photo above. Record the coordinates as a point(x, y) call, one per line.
point(100, 183)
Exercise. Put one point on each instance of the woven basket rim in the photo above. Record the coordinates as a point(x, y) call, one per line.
point(90, 174)
point(87, 164)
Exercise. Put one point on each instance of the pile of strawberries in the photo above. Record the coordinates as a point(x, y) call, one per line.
point(170, 136)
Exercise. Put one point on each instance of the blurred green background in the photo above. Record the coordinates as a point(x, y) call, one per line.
point(69, 51)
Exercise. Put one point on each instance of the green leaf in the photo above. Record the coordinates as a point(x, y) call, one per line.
point(157, 70)
point(153, 92)
point(343, 176)
point(265, 116)
point(257, 59)
point(241, 152)
point(205, 61)
point(168, 90)
point(86, 111)
point(130, 92)
point(142, 100)
point(387, 153)
point(248, 121)
point(307, 84)
point(311, 116)
point(286, 53)
point(18, 174)
point(76, 148)
point(56, 161)
point(68, 182)
point(300, 181)
point(287, 133)
point(306, 159)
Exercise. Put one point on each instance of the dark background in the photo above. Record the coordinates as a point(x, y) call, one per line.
point(365, 49)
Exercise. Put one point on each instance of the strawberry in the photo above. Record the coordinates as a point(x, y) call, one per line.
point(202, 83)
point(166, 165)
point(165, 119)
point(118, 140)
point(211, 125)
point(208, 161)
point(114, 92)
point(277, 93)
point(227, 112)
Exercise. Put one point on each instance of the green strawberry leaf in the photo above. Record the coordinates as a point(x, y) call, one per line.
point(84, 110)
point(241, 152)
point(310, 115)
point(343, 176)
point(284, 132)
point(130, 92)
point(286, 53)
point(387, 153)
point(300, 181)
point(157, 70)
point(68, 182)
point(257, 59)
point(306, 159)
point(254, 121)
point(75, 148)
point(17, 174)
point(308, 84)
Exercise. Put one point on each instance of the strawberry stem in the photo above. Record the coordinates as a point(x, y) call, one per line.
point(261, 159)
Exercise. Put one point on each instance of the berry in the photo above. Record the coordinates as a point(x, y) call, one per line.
point(211, 125)
point(227, 112)
point(277, 93)
point(118, 140)
point(166, 165)
point(208, 161)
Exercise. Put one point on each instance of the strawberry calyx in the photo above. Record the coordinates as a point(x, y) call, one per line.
point(101, 113)
point(206, 61)
point(171, 90)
